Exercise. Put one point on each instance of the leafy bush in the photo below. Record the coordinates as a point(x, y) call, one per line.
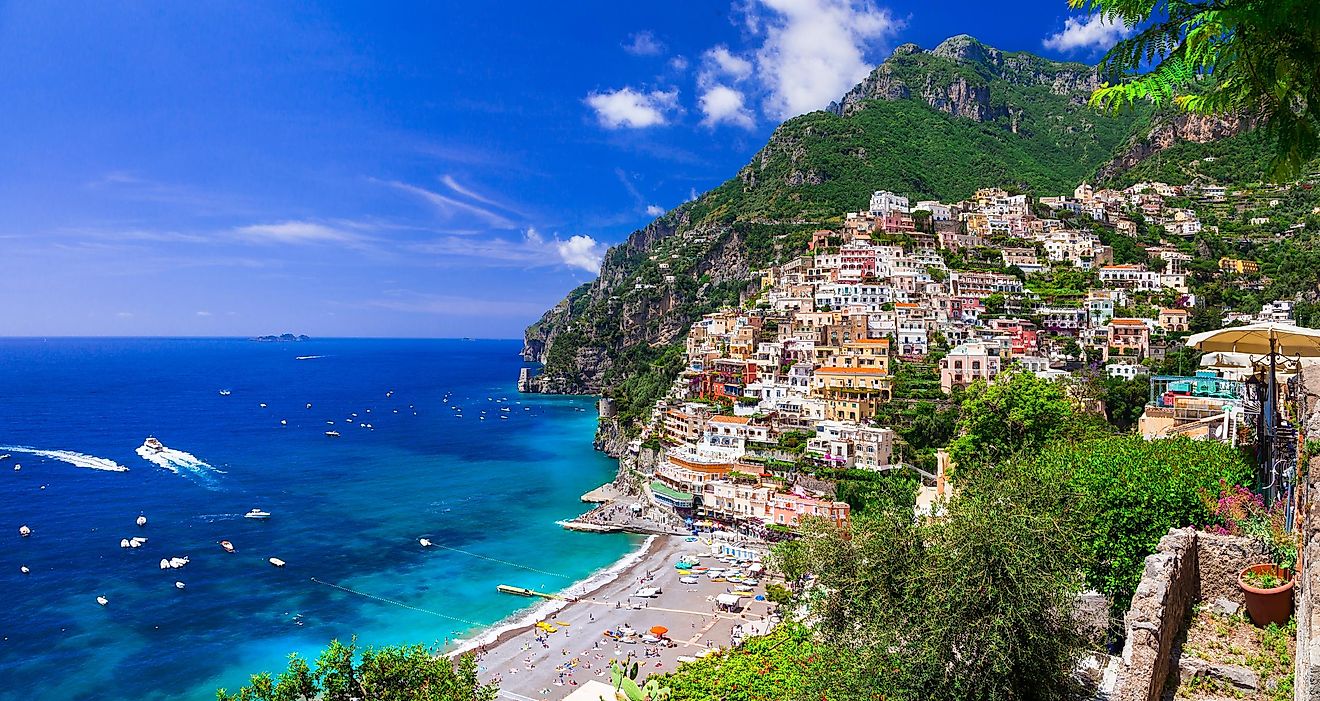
point(1128, 492)
point(393, 673)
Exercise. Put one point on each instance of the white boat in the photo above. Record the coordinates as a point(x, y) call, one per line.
point(178, 585)
point(257, 514)
point(263, 405)
point(4, 457)
point(276, 561)
point(309, 405)
point(177, 562)
point(102, 600)
point(17, 467)
point(24, 569)
point(164, 563)
point(425, 543)
point(152, 444)
point(225, 393)
point(136, 542)
point(284, 422)
point(141, 520)
point(123, 543)
point(332, 434)
point(24, 531)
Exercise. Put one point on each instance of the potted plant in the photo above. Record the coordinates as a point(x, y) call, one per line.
point(1266, 586)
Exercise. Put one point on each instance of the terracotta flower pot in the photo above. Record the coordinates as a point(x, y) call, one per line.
point(1266, 606)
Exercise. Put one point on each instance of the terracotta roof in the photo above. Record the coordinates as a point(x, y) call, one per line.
point(1173, 311)
point(732, 419)
point(885, 341)
point(1127, 322)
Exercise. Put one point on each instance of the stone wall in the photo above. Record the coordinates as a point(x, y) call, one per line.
point(1187, 567)
point(1306, 675)
point(1159, 609)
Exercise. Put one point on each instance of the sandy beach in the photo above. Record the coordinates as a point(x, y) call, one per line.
point(531, 664)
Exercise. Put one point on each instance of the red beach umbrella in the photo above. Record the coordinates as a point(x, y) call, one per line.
point(659, 630)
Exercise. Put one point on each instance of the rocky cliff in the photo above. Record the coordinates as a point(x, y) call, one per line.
point(1169, 129)
point(962, 77)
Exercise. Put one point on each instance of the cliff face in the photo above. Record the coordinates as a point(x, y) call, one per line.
point(1168, 130)
point(647, 295)
point(958, 78)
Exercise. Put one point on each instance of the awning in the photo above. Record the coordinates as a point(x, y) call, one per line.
point(728, 599)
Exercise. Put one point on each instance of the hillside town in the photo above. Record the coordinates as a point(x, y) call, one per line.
point(961, 291)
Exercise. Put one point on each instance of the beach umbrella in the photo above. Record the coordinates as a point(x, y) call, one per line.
point(659, 630)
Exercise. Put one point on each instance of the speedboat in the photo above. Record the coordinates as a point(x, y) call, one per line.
point(178, 585)
point(102, 600)
point(24, 569)
point(142, 520)
point(164, 564)
point(123, 543)
point(177, 562)
point(257, 514)
point(284, 422)
point(225, 393)
point(153, 444)
point(276, 561)
point(24, 531)
point(332, 434)
point(228, 546)
point(425, 543)
point(136, 542)
point(263, 405)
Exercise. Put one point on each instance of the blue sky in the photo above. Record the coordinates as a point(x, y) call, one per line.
point(397, 169)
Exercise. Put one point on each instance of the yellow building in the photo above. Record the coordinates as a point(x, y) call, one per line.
point(852, 394)
point(1238, 266)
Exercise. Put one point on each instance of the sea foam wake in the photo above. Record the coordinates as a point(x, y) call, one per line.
point(90, 462)
point(180, 463)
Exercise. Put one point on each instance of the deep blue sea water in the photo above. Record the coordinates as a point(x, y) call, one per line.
point(348, 511)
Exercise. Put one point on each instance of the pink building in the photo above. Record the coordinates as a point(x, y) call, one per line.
point(788, 509)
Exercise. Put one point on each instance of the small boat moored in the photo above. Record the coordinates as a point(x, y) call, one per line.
point(142, 520)
point(227, 546)
point(257, 514)
point(225, 393)
point(276, 561)
point(332, 434)
point(102, 600)
point(178, 585)
point(24, 569)
point(24, 531)
point(424, 542)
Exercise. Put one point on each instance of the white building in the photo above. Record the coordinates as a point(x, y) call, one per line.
point(886, 202)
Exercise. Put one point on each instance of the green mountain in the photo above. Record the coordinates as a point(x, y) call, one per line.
point(933, 124)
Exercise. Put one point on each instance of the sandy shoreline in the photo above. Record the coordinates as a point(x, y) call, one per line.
point(530, 664)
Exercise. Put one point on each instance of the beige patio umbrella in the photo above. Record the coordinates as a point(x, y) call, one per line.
point(1259, 339)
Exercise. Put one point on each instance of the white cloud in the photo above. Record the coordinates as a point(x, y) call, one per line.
point(451, 207)
point(815, 50)
point(678, 63)
point(1094, 32)
point(630, 108)
point(724, 105)
point(203, 313)
point(644, 44)
point(654, 210)
point(582, 251)
point(296, 232)
point(719, 61)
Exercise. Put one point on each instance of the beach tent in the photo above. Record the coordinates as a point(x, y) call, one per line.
point(728, 601)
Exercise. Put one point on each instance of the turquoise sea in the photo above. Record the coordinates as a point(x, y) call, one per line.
point(346, 511)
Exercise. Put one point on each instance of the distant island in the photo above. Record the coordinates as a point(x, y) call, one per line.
point(282, 338)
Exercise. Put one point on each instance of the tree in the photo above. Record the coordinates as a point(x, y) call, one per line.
point(392, 673)
point(998, 419)
point(1262, 60)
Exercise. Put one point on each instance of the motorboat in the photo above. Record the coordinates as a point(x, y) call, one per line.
point(24, 569)
point(284, 422)
point(178, 585)
point(142, 520)
point(228, 546)
point(263, 405)
point(123, 542)
point(164, 563)
point(689, 580)
point(24, 531)
point(257, 514)
point(332, 434)
point(17, 467)
point(276, 561)
point(177, 562)
point(424, 542)
point(102, 600)
point(136, 542)
point(309, 405)
point(153, 444)
point(225, 393)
